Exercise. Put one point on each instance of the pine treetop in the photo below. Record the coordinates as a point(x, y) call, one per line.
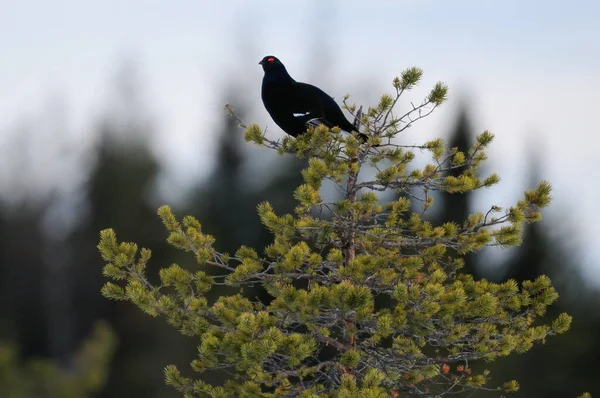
point(366, 298)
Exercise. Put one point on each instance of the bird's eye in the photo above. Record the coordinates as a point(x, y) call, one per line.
point(270, 59)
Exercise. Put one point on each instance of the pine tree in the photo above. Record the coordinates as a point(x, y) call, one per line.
point(321, 333)
point(455, 207)
point(122, 174)
point(226, 202)
point(83, 376)
point(562, 365)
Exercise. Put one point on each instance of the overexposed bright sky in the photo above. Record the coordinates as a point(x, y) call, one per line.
point(529, 71)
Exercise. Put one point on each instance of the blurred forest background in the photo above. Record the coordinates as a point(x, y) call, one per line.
point(60, 338)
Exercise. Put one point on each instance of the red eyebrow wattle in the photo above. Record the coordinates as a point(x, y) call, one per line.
point(271, 59)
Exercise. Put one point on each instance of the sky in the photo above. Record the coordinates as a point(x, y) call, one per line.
point(529, 71)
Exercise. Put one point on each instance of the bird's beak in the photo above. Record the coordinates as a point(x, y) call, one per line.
point(261, 62)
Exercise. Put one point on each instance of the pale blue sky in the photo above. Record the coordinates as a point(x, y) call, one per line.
point(527, 69)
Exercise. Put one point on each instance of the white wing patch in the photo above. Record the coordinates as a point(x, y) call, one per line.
point(301, 114)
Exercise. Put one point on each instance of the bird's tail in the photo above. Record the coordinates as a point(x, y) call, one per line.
point(359, 114)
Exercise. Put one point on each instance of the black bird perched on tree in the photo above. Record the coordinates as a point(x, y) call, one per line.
point(294, 105)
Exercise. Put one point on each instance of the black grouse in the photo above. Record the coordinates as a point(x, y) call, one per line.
point(294, 105)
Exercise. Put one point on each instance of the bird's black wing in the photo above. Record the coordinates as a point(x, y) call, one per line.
point(292, 106)
point(332, 113)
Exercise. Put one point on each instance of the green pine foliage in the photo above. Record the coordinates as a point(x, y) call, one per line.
point(324, 332)
point(83, 376)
